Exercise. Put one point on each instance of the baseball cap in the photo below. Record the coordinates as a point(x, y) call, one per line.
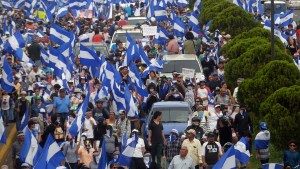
point(175, 131)
point(263, 125)
point(135, 130)
point(211, 134)
point(217, 105)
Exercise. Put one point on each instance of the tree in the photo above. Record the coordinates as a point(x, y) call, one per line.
point(209, 12)
point(233, 20)
point(281, 112)
point(273, 76)
point(255, 32)
point(251, 61)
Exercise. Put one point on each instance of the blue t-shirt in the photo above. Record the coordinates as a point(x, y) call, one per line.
point(62, 105)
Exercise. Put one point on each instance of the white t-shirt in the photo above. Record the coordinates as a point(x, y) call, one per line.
point(5, 102)
point(212, 119)
point(138, 149)
point(235, 93)
point(203, 93)
point(89, 125)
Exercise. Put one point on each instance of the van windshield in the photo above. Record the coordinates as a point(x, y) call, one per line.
point(174, 115)
point(177, 65)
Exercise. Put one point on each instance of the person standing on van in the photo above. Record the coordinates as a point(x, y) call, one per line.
point(156, 137)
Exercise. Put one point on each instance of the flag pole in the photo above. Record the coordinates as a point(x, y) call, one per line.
point(272, 30)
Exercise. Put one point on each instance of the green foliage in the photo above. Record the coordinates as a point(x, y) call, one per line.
point(233, 20)
point(251, 61)
point(281, 111)
point(271, 77)
point(191, 4)
point(255, 32)
point(209, 13)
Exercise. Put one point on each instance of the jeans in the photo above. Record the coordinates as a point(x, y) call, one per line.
point(63, 117)
point(156, 151)
point(5, 116)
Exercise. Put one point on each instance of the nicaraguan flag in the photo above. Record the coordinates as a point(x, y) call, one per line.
point(157, 65)
point(172, 17)
point(65, 66)
point(207, 26)
point(51, 156)
point(194, 19)
point(131, 52)
point(271, 166)
point(6, 5)
point(282, 36)
point(14, 42)
point(126, 155)
point(262, 140)
point(24, 121)
point(79, 4)
point(102, 160)
point(62, 12)
point(67, 51)
point(131, 108)
point(21, 55)
point(161, 36)
point(260, 7)
point(81, 111)
point(150, 12)
point(45, 57)
point(2, 130)
point(88, 57)
point(109, 12)
point(179, 28)
point(40, 34)
point(143, 55)
point(287, 18)
point(59, 35)
point(124, 141)
point(31, 150)
point(241, 153)
point(197, 5)
point(160, 11)
point(227, 161)
point(182, 3)
point(18, 3)
point(7, 77)
point(136, 80)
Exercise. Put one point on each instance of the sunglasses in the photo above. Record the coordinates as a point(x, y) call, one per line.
point(292, 145)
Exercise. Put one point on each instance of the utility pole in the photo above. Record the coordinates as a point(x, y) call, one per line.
point(272, 30)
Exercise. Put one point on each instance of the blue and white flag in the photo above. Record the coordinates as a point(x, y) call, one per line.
point(157, 65)
point(62, 12)
point(207, 26)
point(143, 55)
point(81, 111)
point(102, 160)
point(131, 52)
point(281, 35)
point(65, 66)
point(7, 77)
point(150, 12)
point(136, 80)
point(40, 34)
point(14, 42)
point(31, 150)
point(179, 28)
point(59, 35)
point(161, 37)
point(227, 161)
point(45, 57)
point(241, 152)
point(51, 156)
point(182, 3)
point(172, 17)
point(24, 121)
point(126, 155)
point(88, 57)
point(197, 5)
point(271, 166)
point(21, 55)
point(262, 140)
point(109, 12)
point(131, 108)
point(6, 5)
point(79, 4)
point(18, 3)
point(124, 141)
point(194, 19)
point(160, 11)
point(287, 18)
point(2, 130)
point(260, 7)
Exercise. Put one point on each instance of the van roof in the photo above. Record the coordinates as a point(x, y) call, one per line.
point(170, 104)
point(180, 57)
point(275, 2)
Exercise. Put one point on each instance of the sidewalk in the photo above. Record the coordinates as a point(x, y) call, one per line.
point(6, 149)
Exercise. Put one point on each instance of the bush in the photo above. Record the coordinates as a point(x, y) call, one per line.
point(255, 32)
point(251, 61)
point(281, 110)
point(273, 76)
point(234, 20)
point(210, 11)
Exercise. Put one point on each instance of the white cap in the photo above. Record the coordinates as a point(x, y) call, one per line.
point(175, 131)
point(152, 19)
point(122, 17)
point(135, 130)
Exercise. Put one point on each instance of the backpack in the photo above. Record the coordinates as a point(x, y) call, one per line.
point(58, 133)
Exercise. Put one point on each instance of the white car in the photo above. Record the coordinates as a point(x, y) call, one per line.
point(293, 4)
point(178, 62)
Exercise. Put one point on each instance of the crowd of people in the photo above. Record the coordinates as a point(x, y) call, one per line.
point(218, 121)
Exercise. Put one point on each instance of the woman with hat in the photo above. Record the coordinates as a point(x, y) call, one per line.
point(76, 99)
point(137, 161)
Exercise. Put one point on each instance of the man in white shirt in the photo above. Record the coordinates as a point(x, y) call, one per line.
point(35, 74)
point(89, 124)
point(202, 93)
point(137, 156)
point(239, 80)
point(182, 160)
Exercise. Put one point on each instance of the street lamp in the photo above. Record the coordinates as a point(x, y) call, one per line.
point(272, 30)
